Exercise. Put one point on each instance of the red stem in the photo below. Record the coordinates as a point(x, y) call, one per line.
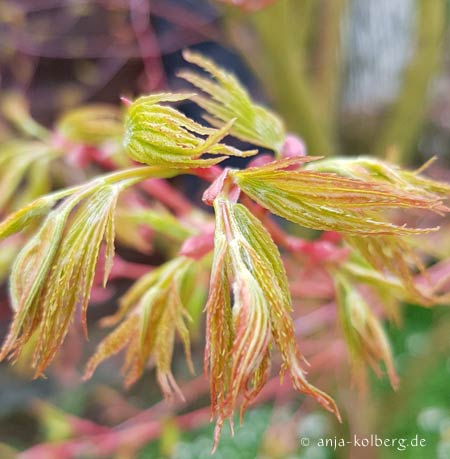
point(161, 190)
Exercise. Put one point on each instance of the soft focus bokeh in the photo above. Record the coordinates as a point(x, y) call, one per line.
point(349, 77)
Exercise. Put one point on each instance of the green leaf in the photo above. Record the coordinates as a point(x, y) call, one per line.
point(363, 333)
point(161, 135)
point(151, 314)
point(324, 201)
point(226, 100)
point(54, 271)
point(241, 327)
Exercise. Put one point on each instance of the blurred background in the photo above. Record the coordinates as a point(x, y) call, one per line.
point(349, 77)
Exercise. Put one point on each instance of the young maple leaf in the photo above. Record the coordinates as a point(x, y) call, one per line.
point(54, 271)
point(229, 100)
point(157, 134)
point(363, 333)
point(152, 312)
point(241, 327)
point(325, 201)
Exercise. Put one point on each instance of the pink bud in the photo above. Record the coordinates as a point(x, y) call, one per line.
point(293, 146)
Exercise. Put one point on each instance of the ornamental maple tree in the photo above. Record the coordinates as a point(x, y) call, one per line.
point(66, 245)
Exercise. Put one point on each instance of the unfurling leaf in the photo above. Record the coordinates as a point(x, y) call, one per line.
point(157, 134)
point(240, 330)
point(363, 333)
point(152, 312)
point(55, 270)
point(228, 100)
point(325, 201)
